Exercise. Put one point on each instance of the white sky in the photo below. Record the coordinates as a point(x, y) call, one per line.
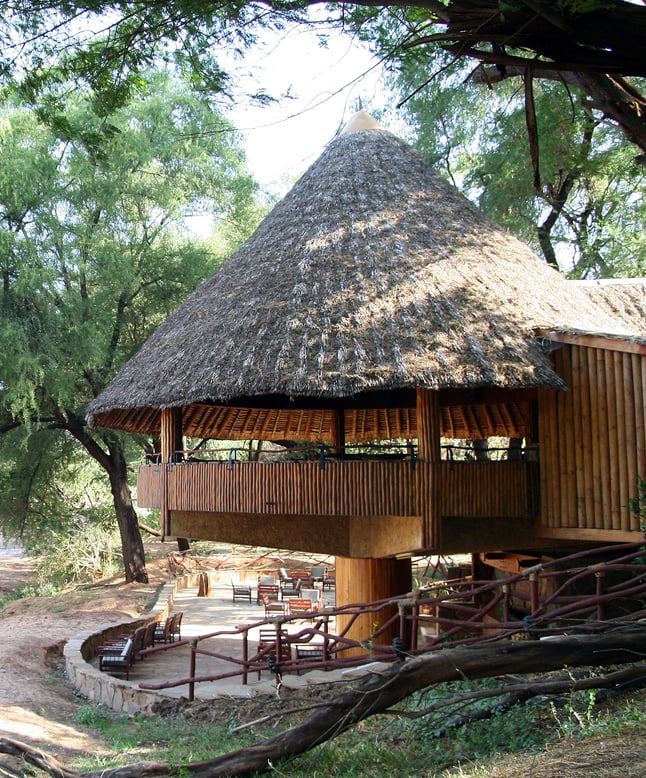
point(324, 87)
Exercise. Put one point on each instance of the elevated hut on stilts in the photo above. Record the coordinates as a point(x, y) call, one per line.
point(376, 314)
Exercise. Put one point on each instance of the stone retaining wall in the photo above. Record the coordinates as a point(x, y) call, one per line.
point(120, 695)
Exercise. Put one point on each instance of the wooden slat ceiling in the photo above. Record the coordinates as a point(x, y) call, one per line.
point(474, 420)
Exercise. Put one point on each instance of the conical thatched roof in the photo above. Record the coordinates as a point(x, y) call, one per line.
point(373, 273)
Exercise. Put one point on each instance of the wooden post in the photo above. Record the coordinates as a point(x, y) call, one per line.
point(428, 443)
point(191, 683)
point(366, 580)
point(171, 440)
point(338, 432)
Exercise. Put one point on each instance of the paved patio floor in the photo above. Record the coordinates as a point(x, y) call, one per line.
point(204, 615)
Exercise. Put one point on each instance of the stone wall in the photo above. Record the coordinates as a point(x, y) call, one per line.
point(116, 693)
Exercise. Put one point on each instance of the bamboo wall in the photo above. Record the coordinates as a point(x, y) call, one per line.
point(341, 488)
point(485, 488)
point(593, 442)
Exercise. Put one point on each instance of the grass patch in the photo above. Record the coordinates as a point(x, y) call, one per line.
point(381, 746)
point(142, 738)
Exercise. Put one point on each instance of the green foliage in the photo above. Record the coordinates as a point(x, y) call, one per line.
point(95, 251)
point(176, 740)
point(82, 554)
point(380, 746)
point(638, 504)
point(589, 210)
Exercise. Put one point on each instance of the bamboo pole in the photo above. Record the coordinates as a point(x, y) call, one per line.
point(631, 374)
point(171, 440)
point(545, 404)
point(579, 432)
point(605, 520)
point(594, 444)
point(567, 447)
point(639, 394)
point(615, 452)
point(428, 442)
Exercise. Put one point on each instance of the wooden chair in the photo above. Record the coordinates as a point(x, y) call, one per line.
point(273, 606)
point(163, 632)
point(117, 659)
point(291, 588)
point(298, 606)
point(315, 595)
point(274, 642)
point(329, 581)
point(176, 627)
point(271, 590)
point(241, 591)
point(149, 634)
point(304, 575)
point(318, 574)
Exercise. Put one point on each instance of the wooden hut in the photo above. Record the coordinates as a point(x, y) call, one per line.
point(375, 304)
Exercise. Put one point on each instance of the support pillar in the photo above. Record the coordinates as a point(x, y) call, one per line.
point(428, 454)
point(366, 580)
point(171, 440)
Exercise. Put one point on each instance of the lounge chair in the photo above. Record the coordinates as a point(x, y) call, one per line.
point(117, 659)
point(163, 632)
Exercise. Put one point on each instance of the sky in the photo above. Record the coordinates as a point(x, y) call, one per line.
point(318, 89)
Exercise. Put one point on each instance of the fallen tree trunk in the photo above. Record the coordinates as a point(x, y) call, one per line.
point(379, 691)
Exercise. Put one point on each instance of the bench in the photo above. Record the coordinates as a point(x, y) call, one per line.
point(298, 606)
point(308, 651)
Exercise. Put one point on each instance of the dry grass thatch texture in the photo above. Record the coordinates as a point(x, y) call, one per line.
point(373, 273)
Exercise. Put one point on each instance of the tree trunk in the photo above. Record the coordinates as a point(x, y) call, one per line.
point(113, 461)
point(132, 546)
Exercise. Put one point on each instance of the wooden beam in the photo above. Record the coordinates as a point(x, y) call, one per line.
point(609, 342)
point(171, 440)
point(588, 535)
point(429, 453)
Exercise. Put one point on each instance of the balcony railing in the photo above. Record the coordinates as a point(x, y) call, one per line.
point(341, 488)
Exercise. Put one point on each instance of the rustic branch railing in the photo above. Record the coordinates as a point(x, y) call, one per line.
point(456, 612)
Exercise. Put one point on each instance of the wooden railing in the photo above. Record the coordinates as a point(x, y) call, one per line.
point(584, 593)
point(353, 488)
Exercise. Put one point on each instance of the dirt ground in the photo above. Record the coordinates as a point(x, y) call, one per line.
point(38, 706)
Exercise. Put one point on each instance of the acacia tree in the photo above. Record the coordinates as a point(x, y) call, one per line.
point(95, 254)
point(582, 202)
point(595, 46)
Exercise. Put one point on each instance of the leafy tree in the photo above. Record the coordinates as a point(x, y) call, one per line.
point(94, 254)
point(581, 204)
point(592, 45)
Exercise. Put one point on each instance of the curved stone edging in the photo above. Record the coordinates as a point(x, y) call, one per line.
point(116, 693)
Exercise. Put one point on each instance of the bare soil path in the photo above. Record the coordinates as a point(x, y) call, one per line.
point(37, 705)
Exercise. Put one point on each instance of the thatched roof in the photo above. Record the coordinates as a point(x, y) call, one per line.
point(622, 298)
point(372, 274)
